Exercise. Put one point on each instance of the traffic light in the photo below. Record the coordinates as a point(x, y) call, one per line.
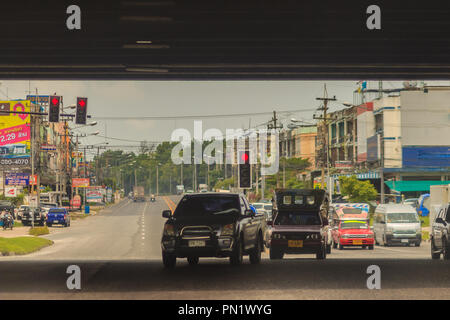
point(53, 110)
point(81, 113)
point(245, 170)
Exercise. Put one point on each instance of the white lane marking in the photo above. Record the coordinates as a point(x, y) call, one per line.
point(143, 224)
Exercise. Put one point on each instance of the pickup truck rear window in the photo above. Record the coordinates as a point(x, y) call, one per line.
point(57, 211)
point(207, 206)
point(296, 218)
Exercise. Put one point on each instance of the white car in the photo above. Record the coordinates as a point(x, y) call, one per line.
point(46, 206)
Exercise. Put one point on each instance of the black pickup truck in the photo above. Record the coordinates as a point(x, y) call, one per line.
point(212, 225)
point(440, 234)
point(300, 225)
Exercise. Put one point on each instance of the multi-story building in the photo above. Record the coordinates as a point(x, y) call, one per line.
point(342, 138)
point(406, 137)
point(299, 142)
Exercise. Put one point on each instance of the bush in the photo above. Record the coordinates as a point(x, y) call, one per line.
point(38, 231)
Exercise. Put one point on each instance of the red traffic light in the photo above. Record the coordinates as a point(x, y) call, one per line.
point(82, 103)
point(55, 101)
point(244, 157)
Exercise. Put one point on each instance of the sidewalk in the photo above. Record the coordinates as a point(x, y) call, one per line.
point(15, 232)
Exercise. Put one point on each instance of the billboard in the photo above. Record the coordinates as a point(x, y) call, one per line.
point(17, 179)
point(426, 156)
point(94, 194)
point(80, 182)
point(15, 149)
point(10, 192)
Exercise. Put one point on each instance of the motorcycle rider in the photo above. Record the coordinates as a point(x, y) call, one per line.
point(7, 219)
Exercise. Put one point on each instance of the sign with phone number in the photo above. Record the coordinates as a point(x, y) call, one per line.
point(15, 162)
point(17, 179)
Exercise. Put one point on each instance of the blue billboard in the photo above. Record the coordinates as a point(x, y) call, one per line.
point(426, 156)
point(17, 179)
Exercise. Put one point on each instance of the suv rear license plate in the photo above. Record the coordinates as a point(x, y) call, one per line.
point(295, 243)
point(197, 243)
point(405, 240)
point(357, 242)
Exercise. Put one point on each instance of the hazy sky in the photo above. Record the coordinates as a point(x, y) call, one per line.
point(177, 98)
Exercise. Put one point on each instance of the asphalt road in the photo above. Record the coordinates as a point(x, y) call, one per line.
point(118, 252)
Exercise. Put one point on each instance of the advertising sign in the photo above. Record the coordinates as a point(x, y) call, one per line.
point(15, 134)
point(38, 99)
point(426, 157)
point(372, 148)
point(10, 192)
point(343, 164)
point(76, 201)
point(108, 195)
point(94, 194)
point(80, 182)
point(17, 179)
point(47, 147)
point(33, 180)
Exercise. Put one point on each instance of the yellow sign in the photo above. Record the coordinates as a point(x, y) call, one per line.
point(15, 132)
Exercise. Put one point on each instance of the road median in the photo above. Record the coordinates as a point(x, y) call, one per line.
point(22, 245)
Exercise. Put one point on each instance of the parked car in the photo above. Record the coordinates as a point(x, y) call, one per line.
point(259, 206)
point(32, 215)
point(46, 206)
point(300, 225)
point(411, 201)
point(58, 216)
point(352, 232)
point(397, 224)
point(212, 225)
point(440, 234)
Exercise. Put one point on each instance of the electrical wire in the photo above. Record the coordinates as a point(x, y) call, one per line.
point(231, 115)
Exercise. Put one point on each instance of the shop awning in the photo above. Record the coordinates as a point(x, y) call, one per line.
point(405, 186)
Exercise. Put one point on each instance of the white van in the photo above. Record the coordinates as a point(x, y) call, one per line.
point(396, 224)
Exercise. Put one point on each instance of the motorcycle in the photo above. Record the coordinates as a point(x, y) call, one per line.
point(7, 222)
point(152, 198)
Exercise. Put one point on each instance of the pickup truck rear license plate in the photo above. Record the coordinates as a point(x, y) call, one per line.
point(295, 243)
point(357, 242)
point(197, 243)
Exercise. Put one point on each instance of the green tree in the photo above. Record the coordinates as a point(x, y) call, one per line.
point(357, 190)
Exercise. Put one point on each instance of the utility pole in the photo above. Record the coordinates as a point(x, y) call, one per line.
point(84, 176)
point(207, 182)
point(181, 174)
point(157, 182)
point(324, 108)
point(382, 170)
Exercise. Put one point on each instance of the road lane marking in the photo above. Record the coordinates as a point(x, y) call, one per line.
point(173, 203)
point(167, 202)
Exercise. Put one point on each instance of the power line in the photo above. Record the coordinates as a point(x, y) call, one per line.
point(231, 115)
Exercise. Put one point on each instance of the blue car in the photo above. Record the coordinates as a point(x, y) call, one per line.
point(58, 216)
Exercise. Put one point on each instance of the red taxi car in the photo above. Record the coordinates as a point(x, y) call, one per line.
point(351, 233)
